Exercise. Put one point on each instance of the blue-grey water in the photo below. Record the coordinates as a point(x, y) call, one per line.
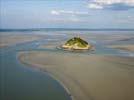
point(19, 82)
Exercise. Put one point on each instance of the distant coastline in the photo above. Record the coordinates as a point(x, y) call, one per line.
point(65, 29)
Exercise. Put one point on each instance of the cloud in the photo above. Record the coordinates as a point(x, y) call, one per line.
point(59, 12)
point(111, 4)
point(95, 6)
point(53, 12)
point(68, 15)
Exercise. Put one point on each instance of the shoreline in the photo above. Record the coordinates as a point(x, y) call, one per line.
point(66, 82)
point(50, 74)
point(81, 84)
point(62, 84)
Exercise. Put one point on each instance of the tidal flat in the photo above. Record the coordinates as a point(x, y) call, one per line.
point(104, 74)
point(13, 39)
point(87, 77)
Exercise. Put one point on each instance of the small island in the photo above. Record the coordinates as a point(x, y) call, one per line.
point(76, 43)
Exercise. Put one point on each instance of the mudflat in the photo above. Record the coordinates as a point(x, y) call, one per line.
point(7, 40)
point(129, 47)
point(86, 77)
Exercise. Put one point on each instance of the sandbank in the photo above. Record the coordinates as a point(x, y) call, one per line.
point(129, 47)
point(7, 40)
point(87, 77)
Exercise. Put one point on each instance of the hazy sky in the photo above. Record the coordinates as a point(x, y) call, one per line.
point(67, 14)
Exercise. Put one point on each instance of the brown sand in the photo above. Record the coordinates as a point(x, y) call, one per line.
point(7, 40)
point(129, 47)
point(51, 45)
point(87, 77)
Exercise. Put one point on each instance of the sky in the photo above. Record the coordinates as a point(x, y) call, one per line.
point(67, 14)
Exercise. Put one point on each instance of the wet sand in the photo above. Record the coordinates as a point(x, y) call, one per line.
point(123, 47)
point(86, 77)
point(7, 40)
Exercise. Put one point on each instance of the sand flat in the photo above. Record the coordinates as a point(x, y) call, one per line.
point(129, 47)
point(7, 40)
point(87, 77)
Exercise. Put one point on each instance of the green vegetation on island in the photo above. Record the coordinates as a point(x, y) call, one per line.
point(76, 43)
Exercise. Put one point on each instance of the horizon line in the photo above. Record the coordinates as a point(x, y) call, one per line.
point(68, 29)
